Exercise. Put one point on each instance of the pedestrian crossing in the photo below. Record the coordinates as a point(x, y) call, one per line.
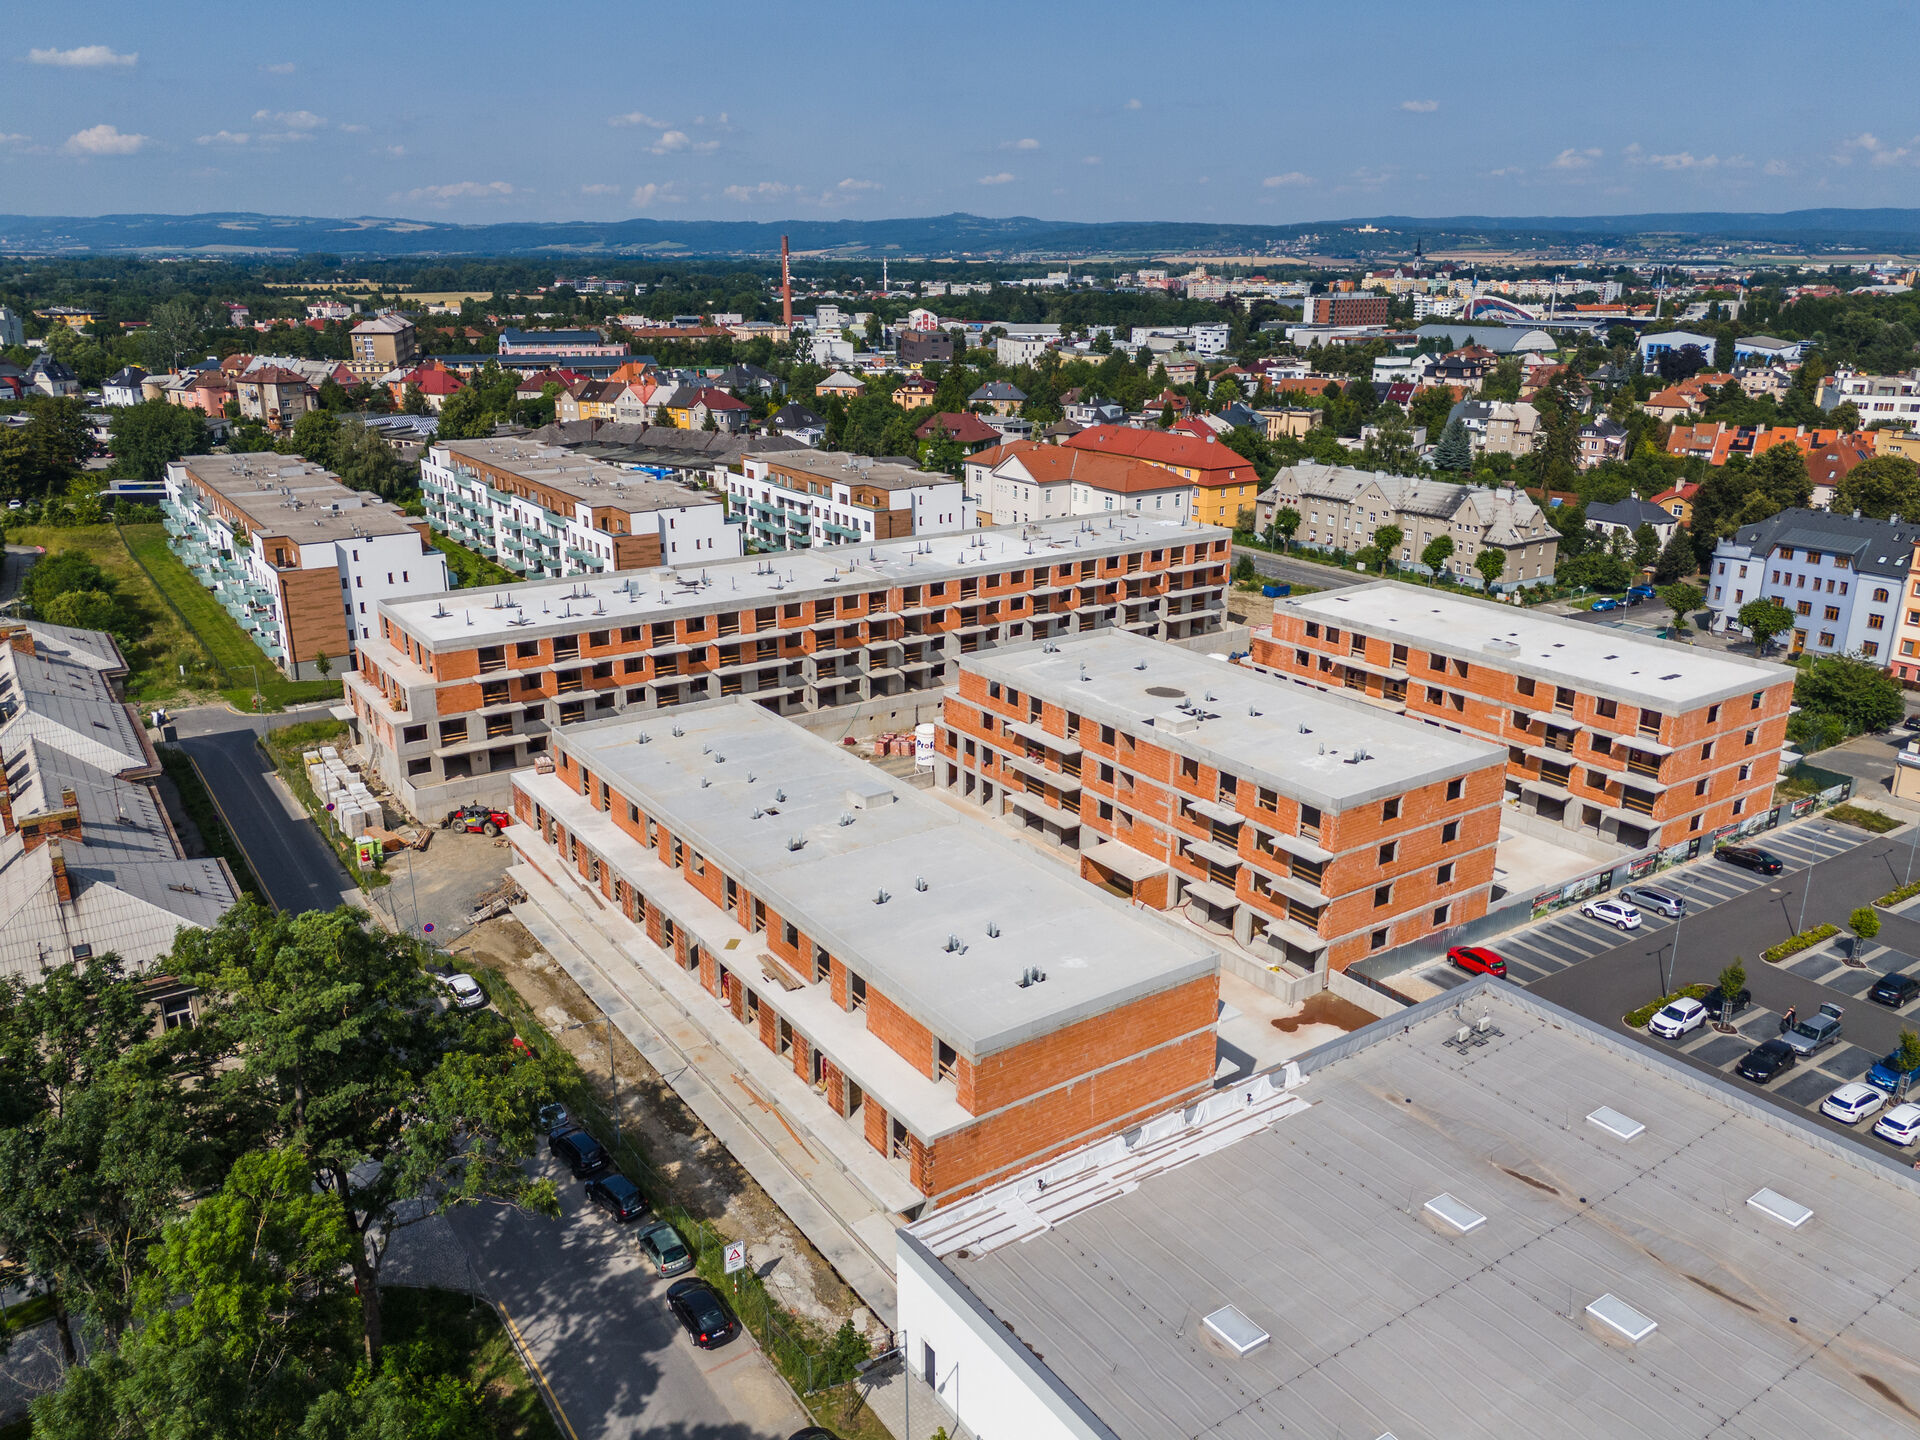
point(1568, 937)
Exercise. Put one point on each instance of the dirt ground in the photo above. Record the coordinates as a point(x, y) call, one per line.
point(1248, 607)
point(439, 885)
point(699, 1172)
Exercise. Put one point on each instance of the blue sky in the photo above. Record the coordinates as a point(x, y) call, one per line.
point(1260, 111)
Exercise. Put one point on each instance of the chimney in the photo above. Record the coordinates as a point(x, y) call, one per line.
point(20, 638)
point(786, 288)
point(6, 805)
point(62, 884)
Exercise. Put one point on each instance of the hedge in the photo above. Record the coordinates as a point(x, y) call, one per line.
point(1636, 1019)
point(1894, 897)
point(1794, 944)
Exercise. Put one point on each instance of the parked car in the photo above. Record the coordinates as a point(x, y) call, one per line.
point(464, 989)
point(1716, 1006)
point(1912, 722)
point(1651, 897)
point(1900, 1125)
point(1766, 1060)
point(554, 1118)
point(1477, 961)
point(1886, 1074)
point(813, 1432)
point(663, 1248)
point(1852, 1103)
point(618, 1196)
point(1637, 593)
point(1617, 913)
point(1605, 605)
point(702, 1313)
point(582, 1154)
point(1680, 1018)
point(1815, 1033)
point(1751, 857)
point(1894, 990)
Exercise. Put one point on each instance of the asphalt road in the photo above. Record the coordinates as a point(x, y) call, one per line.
point(598, 1327)
point(1299, 572)
point(296, 868)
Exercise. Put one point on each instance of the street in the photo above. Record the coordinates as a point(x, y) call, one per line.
point(1299, 572)
point(598, 1327)
point(1592, 969)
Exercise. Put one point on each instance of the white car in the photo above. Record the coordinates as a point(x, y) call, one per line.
point(466, 991)
point(1852, 1102)
point(1901, 1124)
point(1613, 912)
point(1677, 1019)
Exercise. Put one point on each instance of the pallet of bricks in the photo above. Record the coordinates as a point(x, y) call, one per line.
point(336, 784)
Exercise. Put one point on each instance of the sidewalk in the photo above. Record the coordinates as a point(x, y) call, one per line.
point(845, 1199)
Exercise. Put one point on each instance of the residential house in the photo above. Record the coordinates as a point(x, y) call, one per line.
point(48, 376)
point(1500, 427)
point(1678, 502)
point(798, 423)
point(1463, 371)
point(998, 397)
point(1842, 576)
point(275, 396)
point(1342, 508)
point(435, 384)
point(1599, 441)
point(1019, 482)
point(969, 429)
point(1020, 349)
point(386, 342)
point(1628, 515)
point(1878, 398)
point(711, 404)
point(1225, 481)
point(840, 384)
point(126, 386)
point(1093, 410)
point(916, 392)
point(798, 499)
point(1289, 423)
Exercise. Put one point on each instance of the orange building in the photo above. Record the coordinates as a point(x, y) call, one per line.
point(1310, 827)
point(1639, 741)
point(908, 990)
point(1226, 480)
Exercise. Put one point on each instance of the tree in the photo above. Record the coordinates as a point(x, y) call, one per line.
point(1438, 551)
point(323, 664)
point(365, 461)
point(1646, 546)
point(1675, 560)
point(1864, 922)
point(1907, 1054)
point(1683, 599)
point(337, 1052)
point(316, 435)
point(1243, 572)
point(1733, 984)
point(1763, 619)
point(413, 401)
point(145, 437)
point(57, 574)
point(1387, 541)
point(1595, 570)
point(465, 416)
point(1286, 523)
point(1455, 450)
point(86, 610)
point(1882, 487)
point(1492, 564)
point(1856, 692)
point(173, 329)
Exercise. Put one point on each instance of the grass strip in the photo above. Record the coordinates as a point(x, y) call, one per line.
point(284, 747)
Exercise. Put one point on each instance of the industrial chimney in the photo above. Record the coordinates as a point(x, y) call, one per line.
point(786, 288)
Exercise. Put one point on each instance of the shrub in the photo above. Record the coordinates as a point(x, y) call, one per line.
point(1794, 944)
point(1637, 1019)
point(1895, 897)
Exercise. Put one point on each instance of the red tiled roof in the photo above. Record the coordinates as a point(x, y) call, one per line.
point(718, 400)
point(967, 428)
point(1214, 462)
point(1049, 464)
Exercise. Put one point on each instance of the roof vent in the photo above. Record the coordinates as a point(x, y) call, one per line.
point(1624, 1127)
point(1460, 1216)
point(1622, 1318)
point(1230, 1326)
point(1032, 975)
point(1790, 1213)
point(920, 883)
point(954, 946)
point(879, 899)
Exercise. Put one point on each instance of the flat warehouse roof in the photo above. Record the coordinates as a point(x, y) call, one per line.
point(740, 784)
point(562, 607)
point(1287, 735)
point(1597, 659)
point(1568, 1282)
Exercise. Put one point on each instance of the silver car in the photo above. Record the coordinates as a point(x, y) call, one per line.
point(1661, 902)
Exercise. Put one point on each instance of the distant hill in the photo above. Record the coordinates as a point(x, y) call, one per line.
point(958, 234)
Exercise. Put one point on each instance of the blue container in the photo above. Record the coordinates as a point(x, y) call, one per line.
point(1274, 592)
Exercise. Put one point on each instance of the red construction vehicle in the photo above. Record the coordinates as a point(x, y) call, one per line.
point(477, 820)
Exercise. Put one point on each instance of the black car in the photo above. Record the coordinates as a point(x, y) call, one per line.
point(583, 1154)
point(1894, 990)
point(1715, 1001)
point(618, 1196)
point(1751, 857)
point(1766, 1060)
point(1912, 722)
point(699, 1308)
point(813, 1432)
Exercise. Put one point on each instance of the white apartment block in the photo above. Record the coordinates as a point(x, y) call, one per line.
point(797, 499)
point(1878, 398)
point(547, 513)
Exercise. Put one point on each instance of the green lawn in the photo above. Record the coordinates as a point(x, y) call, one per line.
point(285, 746)
point(230, 647)
point(470, 568)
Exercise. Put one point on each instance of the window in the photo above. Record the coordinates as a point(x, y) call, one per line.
point(1706, 751)
point(1524, 685)
point(1740, 805)
point(1390, 809)
point(1455, 788)
point(1444, 875)
point(1435, 696)
point(1713, 714)
point(1449, 832)
point(1700, 786)
point(1440, 915)
point(856, 992)
point(1387, 852)
point(1876, 622)
point(1382, 895)
point(1880, 597)
point(1831, 612)
point(1377, 940)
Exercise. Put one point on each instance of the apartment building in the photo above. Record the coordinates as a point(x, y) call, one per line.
point(1342, 508)
point(567, 344)
point(386, 342)
point(89, 863)
point(548, 513)
point(1345, 310)
point(297, 558)
point(1309, 826)
point(275, 396)
point(448, 699)
point(794, 499)
point(945, 1004)
point(1842, 576)
point(1880, 399)
point(1020, 482)
point(1225, 483)
point(1638, 741)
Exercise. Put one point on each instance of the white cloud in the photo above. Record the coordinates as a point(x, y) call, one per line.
point(673, 141)
point(463, 190)
point(354, 129)
point(1680, 160)
point(1027, 144)
point(758, 194)
point(1420, 107)
point(82, 57)
point(396, 151)
point(1292, 177)
point(1877, 151)
point(645, 195)
point(599, 189)
point(291, 119)
point(10, 141)
point(635, 117)
point(1504, 171)
point(1089, 159)
point(1133, 104)
point(1777, 167)
point(225, 137)
point(104, 140)
point(859, 185)
point(1574, 159)
point(1003, 178)
point(285, 67)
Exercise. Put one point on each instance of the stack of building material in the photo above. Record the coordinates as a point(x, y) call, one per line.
point(340, 788)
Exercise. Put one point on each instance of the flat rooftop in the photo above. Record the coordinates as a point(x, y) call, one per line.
point(1386, 1317)
point(557, 607)
point(1596, 659)
point(286, 495)
point(840, 467)
point(740, 784)
point(1287, 735)
point(589, 481)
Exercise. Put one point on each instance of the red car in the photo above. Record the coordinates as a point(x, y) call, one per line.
point(1477, 961)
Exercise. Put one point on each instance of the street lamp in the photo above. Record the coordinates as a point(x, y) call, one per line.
point(613, 1081)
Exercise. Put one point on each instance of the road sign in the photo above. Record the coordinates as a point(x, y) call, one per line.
point(736, 1255)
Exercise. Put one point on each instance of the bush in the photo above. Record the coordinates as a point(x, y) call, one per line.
point(1895, 897)
point(1866, 819)
point(1637, 1019)
point(1864, 922)
point(1794, 944)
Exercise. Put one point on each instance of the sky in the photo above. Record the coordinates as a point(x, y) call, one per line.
point(1262, 111)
